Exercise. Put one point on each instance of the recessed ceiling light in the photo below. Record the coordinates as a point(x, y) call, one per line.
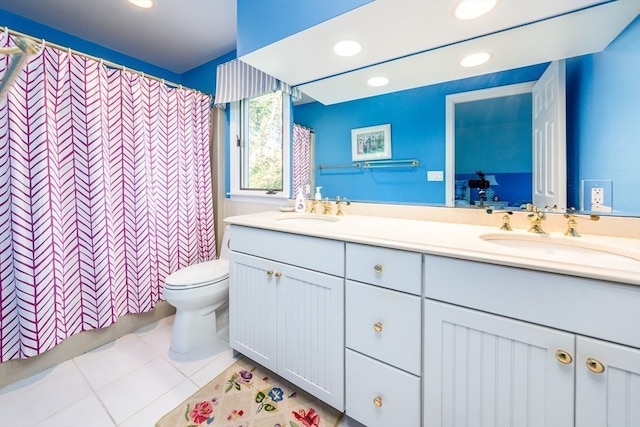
point(378, 81)
point(475, 59)
point(347, 48)
point(145, 4)
point(471, 9)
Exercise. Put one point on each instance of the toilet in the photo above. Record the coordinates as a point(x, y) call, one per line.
point(196, 292)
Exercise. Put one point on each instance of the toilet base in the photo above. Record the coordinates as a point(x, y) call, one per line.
point(193, 329)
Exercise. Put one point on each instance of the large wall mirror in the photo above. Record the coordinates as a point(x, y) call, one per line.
point(602, 134)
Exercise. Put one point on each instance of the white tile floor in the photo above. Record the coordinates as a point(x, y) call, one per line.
point(131, 382)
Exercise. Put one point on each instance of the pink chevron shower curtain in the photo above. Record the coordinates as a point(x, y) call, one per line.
point(301, 158)
point(105, 189)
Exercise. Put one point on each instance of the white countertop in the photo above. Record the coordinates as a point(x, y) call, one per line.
point(464, 241)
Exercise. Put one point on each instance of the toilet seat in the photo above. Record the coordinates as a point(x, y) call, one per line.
point(198, 275)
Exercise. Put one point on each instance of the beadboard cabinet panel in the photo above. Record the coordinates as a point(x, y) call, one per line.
point(252, 302)
point(310, 324)
point(291, 321)
point(486, 370)
point(612, 397)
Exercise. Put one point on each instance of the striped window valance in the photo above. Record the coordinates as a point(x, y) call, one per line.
point(236, 80)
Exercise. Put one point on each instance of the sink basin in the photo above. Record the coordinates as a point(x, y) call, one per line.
point(307, 219)
point(571, 249)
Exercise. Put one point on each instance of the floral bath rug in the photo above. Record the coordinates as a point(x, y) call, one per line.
point(248, 395)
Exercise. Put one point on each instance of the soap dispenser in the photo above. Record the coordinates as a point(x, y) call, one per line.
point(318, 196)
point(300, 204)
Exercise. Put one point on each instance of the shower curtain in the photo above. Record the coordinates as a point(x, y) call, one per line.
point(105, 189)
point(302, 158)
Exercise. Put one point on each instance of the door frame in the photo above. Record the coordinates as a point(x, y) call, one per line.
point(450, 128)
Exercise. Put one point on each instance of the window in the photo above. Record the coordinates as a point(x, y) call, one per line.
point(260, 147)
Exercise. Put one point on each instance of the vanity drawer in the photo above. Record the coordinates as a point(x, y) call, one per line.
point(379, 322)
point(589, 307)
point(398, 391)
point(389, 268)
point(313, 253)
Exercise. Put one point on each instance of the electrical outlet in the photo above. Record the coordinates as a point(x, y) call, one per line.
point(597, 196)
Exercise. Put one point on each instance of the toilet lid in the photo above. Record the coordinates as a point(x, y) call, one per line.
point(199, 274)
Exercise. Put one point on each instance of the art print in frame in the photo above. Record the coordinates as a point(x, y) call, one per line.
point(371, 143)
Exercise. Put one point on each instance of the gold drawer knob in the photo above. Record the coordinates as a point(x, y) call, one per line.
point(377, 401)
point(377, 326)
point(595, 366)
point(377, 268)
point(269, 273)
point(564, 357)
point(278, 275)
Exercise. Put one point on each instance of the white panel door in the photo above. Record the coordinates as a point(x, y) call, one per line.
point(252, 308)
point(310, 328)
point(486, 370)
point(611, 397)
point(549, 138)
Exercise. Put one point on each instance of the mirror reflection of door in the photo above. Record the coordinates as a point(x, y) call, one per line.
point(549, 139)
point(492, 131)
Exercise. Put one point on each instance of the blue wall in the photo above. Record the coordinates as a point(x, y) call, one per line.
point(31, 28)
point(604, 121)
point(603, 130)
point(417, 118)
point(262, 22)
point(203, 78)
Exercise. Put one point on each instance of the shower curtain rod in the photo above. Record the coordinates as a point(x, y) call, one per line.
point(103, 61)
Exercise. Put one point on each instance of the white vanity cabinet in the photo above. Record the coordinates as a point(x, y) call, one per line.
point(286, 307)
point(611, 397)
point(508, 346)
point(383, 335)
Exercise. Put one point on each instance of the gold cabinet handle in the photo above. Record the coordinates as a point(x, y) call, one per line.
point(564, 357)
point(278, 275)
point(377, 401)
point(377, 326)
point(595, 366)
point(269, 273)
point(377, 268)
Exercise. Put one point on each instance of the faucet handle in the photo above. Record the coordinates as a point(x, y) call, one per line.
point(572, 224)
point(506, 221)
point(339, 203)
point(326, 204)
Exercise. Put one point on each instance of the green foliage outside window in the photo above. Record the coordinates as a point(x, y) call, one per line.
point(262, 149)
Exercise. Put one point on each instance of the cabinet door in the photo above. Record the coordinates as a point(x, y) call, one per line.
point(610, 397)
point(310, 319)
point(252, 308)
point(487, 370)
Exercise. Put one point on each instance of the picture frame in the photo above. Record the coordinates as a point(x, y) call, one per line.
point(371, 143)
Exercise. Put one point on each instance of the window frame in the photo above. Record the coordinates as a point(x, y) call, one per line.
point(235, 170)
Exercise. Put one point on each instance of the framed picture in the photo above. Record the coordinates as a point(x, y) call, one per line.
point(371, 143)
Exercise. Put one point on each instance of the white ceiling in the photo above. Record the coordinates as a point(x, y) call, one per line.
point(176, 35)
point(586, 31)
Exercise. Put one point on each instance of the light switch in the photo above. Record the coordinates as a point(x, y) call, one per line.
point(435, 175)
